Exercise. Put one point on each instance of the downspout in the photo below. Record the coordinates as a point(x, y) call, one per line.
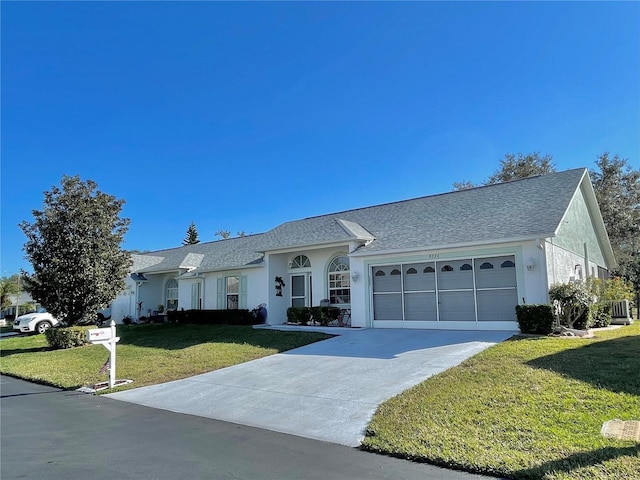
point(586, 260)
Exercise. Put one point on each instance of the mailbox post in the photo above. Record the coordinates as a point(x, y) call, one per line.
point(107, 337)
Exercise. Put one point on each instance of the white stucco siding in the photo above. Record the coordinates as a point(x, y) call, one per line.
point(277, 266)
point(152, 292)
point(125, 303)
point(317, 277)
point(534, 273)
point(577, 233)
point(185, 292)
point(359, 290)
point(563, 265)
point(256, 288)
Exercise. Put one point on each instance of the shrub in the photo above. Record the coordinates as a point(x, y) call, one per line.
point(572, 302)
point(127, 320)
point(535, 318)
point(214, 317)
point(68, 337)
point(325, 315)
point(601, 315)
point(301, 315)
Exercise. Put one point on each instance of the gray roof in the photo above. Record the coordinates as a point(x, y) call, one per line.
point(218, 255)
point(527, 208)
point(522, 209)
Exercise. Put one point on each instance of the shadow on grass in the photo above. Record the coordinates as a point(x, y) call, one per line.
point(576, 461)
point(610, 364)
point(17, 351)
point(177, 336)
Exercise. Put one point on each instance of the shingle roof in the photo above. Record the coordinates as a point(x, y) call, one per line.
point(527, 208)
point(221, 254)
point(522, 209)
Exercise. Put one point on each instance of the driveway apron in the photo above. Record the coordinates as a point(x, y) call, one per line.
point(327, 391)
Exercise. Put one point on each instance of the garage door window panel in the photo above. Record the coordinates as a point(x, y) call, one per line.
point(457, 278)
point(384, 281)
point(417, 279)
point(497, 277)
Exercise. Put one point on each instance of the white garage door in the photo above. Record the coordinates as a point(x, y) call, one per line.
point(468, 293)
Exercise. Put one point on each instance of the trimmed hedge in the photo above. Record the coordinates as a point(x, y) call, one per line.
point(535, 318)
point(67, 337)
point(213, 317)
point(304, 315)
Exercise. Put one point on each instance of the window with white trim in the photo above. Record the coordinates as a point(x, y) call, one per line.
point(300, 261)
point(232, 292)
point(339, 281)
point(172, 294)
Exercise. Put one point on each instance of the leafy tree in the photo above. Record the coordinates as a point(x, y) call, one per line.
point(463, 185)
point(9, 286)
point(192, 235)
point(223, 234)
point(571, 302)
point(515, 167)
point(74, 246)
point(617, 188)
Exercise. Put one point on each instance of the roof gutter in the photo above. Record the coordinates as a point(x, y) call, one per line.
point(450, 246)
point(313, 246)
point(226, 269)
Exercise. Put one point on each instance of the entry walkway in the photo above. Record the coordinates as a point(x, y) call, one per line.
point(327, 391)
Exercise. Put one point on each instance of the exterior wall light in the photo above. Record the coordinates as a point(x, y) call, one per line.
point(531, 265)
point(355, 276)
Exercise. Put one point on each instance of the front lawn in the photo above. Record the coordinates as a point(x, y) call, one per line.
point(529, 408)
point(147, 354)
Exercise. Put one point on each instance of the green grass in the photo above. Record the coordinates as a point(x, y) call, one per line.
point(147, 354)
point(529, 408)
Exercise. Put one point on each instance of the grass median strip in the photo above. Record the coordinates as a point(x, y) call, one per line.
point(147, 354)
point(529, 408)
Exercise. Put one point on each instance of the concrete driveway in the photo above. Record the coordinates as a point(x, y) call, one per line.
point(325, 391)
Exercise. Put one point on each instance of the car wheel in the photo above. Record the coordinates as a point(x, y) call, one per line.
point(42, 327)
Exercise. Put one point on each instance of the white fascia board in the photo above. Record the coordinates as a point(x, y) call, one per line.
point(226, 269)
point(159, 272)
point(310, 246)
point(601, 229)
point(451, 246)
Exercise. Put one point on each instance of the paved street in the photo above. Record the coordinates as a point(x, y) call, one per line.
point(55, 434)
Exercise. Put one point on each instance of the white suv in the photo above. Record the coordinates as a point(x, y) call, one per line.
point(37, 322)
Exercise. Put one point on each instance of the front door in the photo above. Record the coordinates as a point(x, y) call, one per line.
point(301, 290)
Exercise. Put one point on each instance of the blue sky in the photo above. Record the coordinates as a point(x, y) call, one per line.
point(240, 116)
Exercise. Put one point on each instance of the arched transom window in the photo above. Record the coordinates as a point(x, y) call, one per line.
point(172, 294)
point(339, 281)
point(301, 261)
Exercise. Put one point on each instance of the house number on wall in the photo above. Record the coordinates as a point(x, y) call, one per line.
point(434, 255)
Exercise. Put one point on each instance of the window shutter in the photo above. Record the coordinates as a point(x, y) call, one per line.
point(243, 292)
point(220, 294)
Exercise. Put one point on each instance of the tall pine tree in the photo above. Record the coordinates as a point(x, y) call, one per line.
point(192, 235)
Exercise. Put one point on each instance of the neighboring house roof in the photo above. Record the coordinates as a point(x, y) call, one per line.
point(513, 211)
point(210, 256)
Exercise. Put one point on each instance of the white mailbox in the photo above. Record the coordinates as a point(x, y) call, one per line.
point(99, 334)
